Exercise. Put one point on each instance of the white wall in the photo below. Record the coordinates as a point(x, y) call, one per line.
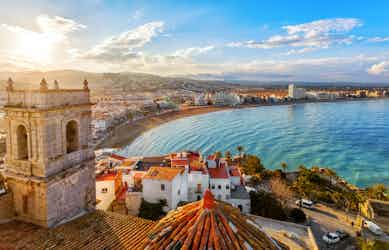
point(222, 193)
point(105, 198)
point(194, 178)
point(244, 203)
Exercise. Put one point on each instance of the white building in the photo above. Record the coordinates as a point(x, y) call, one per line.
point(322, 95)
point(296, 93)
point(200, 100)
point(224, 98)
point(105, 190)
point(166, 183)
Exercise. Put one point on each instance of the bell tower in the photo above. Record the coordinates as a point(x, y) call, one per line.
point(49, 166)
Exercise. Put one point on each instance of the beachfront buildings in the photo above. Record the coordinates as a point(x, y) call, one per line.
point(296, 93)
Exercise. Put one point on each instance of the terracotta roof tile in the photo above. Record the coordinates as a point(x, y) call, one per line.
point(218, 173)
point(163, 173)
point(207, 224)
point(97, 230)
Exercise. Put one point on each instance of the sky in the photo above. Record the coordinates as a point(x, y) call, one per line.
point(323, 41)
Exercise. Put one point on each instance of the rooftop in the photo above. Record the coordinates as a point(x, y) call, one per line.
point(163, 173)
point(97, 230)
point(207, 224)
point(218, 173)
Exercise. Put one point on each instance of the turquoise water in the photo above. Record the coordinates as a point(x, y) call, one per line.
point(350, 137)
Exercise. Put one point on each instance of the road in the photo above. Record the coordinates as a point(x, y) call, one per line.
point(324, 219)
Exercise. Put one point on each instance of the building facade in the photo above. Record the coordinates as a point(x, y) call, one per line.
point(49, 166)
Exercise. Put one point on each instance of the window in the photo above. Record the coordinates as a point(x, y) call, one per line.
point(227, 187)
point(21, 137)
point(25, 204)
point(72, 141)
point(219, 197)
point(104, 190)
point(198, 188)
point(162, 187)
point(227, 197)
point(179, 192)
point(219, 186)
point(213, 186)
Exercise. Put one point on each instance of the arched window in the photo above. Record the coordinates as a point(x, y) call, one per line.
point(21, 136)
point(72, 141)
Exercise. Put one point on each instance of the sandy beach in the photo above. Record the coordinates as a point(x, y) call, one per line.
point(126, 133)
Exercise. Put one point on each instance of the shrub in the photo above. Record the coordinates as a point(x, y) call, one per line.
point(266, 205)
point(152, 211)
point(297, 215)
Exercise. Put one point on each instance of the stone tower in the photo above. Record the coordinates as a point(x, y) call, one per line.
point(49, 166)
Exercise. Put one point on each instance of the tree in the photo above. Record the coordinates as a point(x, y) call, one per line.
point(281, 190)
point(266, 205)
point(218, 154)
point(297, 215)
point(228, 157)
point(284, 166)
point(240, 150)
point(152, 211)
point(2, 182)
point(252, 165)
point(377, 191)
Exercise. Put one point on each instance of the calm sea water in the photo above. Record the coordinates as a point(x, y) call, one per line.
point(350, 137)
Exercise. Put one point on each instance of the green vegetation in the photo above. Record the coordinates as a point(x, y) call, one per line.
point(297, 215)
point(315, 186)
point(378, 191)
point(152, 211)
point(252, 165)
point(365, 244)
point(266, 205)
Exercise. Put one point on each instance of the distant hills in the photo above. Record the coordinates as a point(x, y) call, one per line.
point(123, 81)
point(147, 82)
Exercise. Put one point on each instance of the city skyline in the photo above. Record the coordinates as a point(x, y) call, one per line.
point(206, 40)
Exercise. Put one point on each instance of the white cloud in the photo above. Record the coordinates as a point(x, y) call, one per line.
point(379, 39)
point(379, 68)
point(41, 46)
point(195, 51)
point(122, 47)
point(318, 34)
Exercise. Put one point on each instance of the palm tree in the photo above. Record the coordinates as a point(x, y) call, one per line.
point(240, 149)
point(284, 166)
point(228, 156)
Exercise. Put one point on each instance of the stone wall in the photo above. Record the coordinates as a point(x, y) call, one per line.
point(6, 207)
point(133, 202)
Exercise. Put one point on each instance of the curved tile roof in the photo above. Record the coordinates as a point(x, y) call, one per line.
point(207, 224)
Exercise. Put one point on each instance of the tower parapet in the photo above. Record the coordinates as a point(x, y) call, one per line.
point(49, 166)
point(45, 98)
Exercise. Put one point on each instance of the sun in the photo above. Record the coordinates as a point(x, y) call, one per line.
point(36, 47)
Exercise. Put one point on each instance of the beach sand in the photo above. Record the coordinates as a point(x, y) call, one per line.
point(127, 133)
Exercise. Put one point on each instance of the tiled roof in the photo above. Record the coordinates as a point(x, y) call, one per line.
point(218, 173)
point(106, 177)
point(163, 173)
point(97, 230)
point(207, 224)
point(118, 157)
point(234, 172)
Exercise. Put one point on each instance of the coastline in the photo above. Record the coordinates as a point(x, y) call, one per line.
point(126, 133)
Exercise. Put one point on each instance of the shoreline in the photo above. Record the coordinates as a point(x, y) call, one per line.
point(126, 133)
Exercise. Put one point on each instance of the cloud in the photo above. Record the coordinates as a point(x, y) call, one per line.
point(318, 34)
point(122, 47)
point(300, 51)
point(378, 39)
point(381, 68)
point(195, 51)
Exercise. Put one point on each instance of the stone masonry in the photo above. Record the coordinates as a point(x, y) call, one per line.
point(49, 165)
